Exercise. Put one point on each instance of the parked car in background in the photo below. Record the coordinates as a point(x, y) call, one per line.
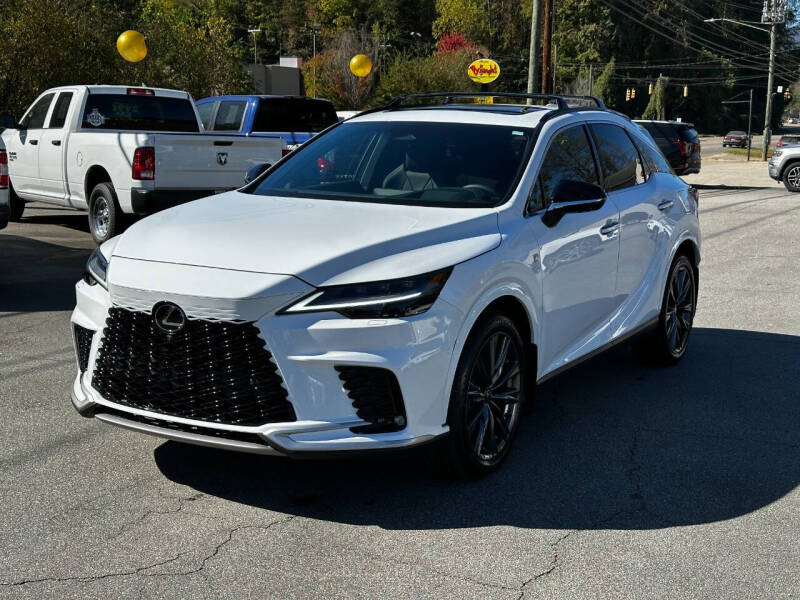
point(735, 139)
point(392, 282)
point(293, 118)
point(116, 151)
point(678, 141)
point(788, 140)
point(784, 165)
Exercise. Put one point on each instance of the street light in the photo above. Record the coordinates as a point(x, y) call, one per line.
point(771, 32)
point(255, 32)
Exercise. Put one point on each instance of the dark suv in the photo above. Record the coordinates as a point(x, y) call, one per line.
point(679, 143)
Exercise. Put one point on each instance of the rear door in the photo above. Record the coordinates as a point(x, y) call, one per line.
point(626, 183)
point(51, 147)
point(24, 148)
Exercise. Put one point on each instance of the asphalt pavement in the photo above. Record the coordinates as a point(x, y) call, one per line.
point(627, 481)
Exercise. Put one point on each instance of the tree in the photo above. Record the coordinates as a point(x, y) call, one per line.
point(604, 85)
point(328, 75)
point(657, 107)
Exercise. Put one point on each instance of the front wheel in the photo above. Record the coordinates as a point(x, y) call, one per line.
point(791, 177)
point(488, 390)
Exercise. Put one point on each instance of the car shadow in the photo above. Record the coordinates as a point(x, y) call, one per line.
point(613, 443)
point(38, 276)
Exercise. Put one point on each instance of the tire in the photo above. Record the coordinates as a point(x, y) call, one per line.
point(667, 344)
point(105, 216)
point(791, 177)
point(16, 205)
point(484, 420)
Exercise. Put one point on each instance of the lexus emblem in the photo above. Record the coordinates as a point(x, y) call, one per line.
point(169, 317)
point(222, 158)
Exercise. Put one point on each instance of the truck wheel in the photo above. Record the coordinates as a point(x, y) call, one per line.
point(105, 215)
point(791, 177)
point(16, 205)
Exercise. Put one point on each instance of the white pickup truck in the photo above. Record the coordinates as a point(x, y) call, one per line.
point(117, 151)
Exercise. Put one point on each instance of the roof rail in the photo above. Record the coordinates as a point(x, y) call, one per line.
point(599, 103)
point(400, 101)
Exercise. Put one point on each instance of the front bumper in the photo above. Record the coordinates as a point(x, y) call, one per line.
point(772, 169)
point(306, 349)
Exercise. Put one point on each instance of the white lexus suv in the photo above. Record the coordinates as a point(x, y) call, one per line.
point(409, 274)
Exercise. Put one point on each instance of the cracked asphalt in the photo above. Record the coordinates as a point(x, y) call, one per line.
point(626, 481)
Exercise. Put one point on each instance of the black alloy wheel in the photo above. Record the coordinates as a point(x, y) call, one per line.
point(486, 402)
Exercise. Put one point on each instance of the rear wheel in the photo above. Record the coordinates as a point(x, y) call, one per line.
point(791, 177)
point(671, 338)
point(16, 205)
point(486, 401)
point(105, 215)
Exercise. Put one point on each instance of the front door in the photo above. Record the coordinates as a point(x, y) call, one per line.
point(24, 150)
point(578, 255)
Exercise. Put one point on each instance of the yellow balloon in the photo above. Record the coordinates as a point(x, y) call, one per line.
point(360, 65)
point(130, 44)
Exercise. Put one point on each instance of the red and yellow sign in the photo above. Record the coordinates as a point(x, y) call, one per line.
point(483, 70)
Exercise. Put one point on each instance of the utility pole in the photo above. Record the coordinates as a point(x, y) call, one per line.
point(255, 32)
point(768, 117)
point(534, 49)
point(749, 121)
point(547, 40)
point(591, 80)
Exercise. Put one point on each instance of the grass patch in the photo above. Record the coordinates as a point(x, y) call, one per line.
point(753, 152)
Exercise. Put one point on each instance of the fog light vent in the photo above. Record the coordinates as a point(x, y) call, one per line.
point(83, 344)
point(376, 397)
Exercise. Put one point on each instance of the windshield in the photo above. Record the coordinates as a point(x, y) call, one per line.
point(431, 164)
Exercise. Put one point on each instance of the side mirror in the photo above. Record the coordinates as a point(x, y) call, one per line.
point(254, 172)
point(572, 196)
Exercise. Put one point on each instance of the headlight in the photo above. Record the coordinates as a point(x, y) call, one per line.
point(96, 268)
point(379, 299)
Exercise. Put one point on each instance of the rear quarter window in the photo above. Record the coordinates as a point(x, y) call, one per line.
point(139, 113)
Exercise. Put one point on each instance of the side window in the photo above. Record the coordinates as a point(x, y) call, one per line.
point(536, 198)
point(229, 116)
point(654, 161)
point(568, 157)
point(59, 116)
point(35, 117)
point(619, 158)
point(205, 110)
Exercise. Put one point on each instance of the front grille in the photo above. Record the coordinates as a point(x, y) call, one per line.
point(376, 397)
point(207, 431)
point(83, 345)
point(208, 371)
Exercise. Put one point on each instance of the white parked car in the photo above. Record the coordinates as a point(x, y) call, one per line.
point(117, 151)
point(410, 274)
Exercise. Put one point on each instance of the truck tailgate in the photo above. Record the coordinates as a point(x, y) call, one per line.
point(210, 162)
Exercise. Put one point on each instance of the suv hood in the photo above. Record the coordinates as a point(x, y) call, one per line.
point(323, 242)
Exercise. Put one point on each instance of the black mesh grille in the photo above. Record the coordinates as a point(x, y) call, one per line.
point(208, 371)
point(207, 431)
point(83, 344)
point(376, 397)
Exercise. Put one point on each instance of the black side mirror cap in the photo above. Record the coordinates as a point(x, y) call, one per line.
point(255, 171)
point(572, 196)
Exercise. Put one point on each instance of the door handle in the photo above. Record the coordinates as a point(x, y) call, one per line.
point(665, 205)
point(610, 228)
point(34, 142)
point(55, 142)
